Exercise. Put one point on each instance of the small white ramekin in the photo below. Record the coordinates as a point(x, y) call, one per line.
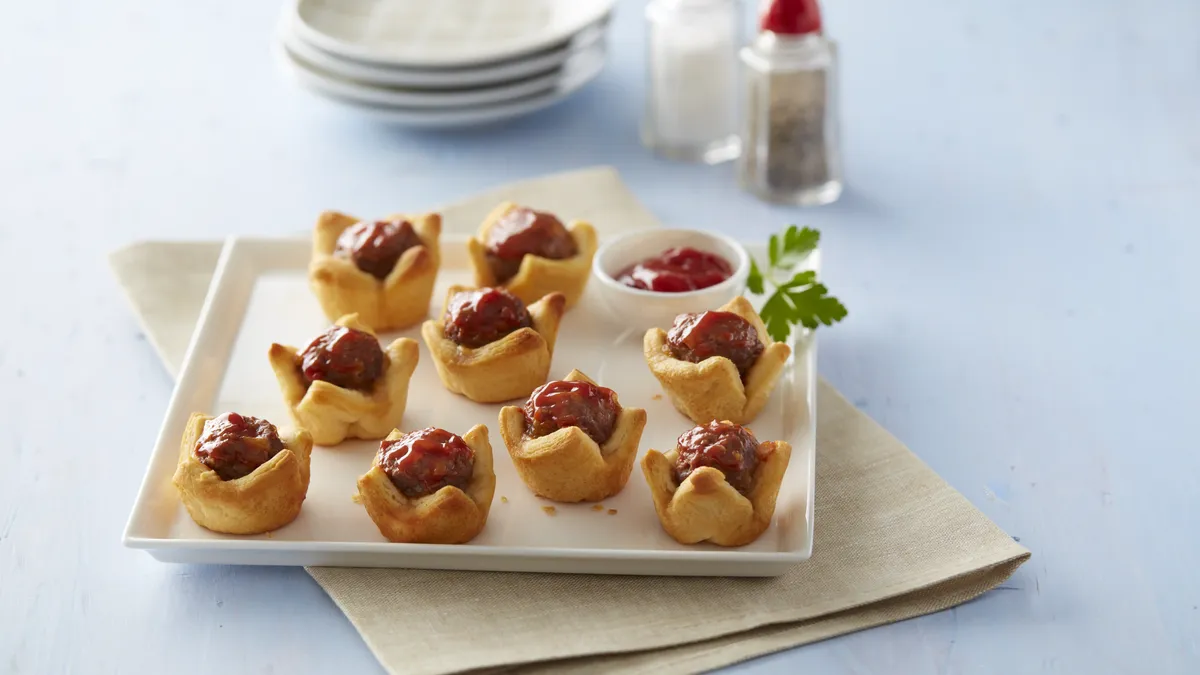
point(641, 310)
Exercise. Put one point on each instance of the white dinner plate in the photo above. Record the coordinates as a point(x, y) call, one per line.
point(442, 33)
point(444, 118)
point(443, 78)
point(581, 65)
point(260, 295)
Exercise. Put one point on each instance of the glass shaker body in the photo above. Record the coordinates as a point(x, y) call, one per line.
point(791, 150)
point(693, 83)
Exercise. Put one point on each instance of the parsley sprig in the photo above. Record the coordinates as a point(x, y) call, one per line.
point(803, 299)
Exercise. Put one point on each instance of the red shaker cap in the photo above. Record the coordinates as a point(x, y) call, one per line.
point(792, 17)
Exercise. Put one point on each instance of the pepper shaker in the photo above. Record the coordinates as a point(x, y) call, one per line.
point(791, 148)
point(692, 88)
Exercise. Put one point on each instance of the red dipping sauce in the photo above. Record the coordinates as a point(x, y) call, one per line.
point(677, 270)
point(422, 462)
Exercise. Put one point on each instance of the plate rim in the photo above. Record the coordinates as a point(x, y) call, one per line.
point(449, 118)
point(579, 66)
point(233, 246)
point(315, 37)
point(434, 79)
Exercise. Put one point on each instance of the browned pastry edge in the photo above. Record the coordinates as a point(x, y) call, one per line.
point(704, 507)
point(538, 276)
point(331, 413)
point(567, 465)
point(448, 516)
point(399, 300)
point(712, 389)
point(508, 368)
point(265, 499)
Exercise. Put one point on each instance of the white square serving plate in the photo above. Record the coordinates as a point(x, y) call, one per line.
point(260, 295)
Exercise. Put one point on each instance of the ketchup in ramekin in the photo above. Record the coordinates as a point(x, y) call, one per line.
point(677, 270)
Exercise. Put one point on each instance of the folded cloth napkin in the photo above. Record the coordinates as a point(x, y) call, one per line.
point(892, 541)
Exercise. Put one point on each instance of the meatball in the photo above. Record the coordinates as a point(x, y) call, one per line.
point(375, 247)
point(524, 231)
point(347, 358)
point(234, 445)
point(476, 318)
point(422, 462)
point(696, 337)
point(725, 446)
point(560, 404)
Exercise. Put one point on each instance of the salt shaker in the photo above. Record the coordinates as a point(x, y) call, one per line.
point(692, 91)
point(790, 146)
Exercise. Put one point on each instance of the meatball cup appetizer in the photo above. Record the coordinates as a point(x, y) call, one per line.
point(532, 254)
point(717, 365)
point(383, 271)
point(430, 486)
point(489, 347)
point(572, 441)
point(719, 484)
point(343, 384)
point(238, 475)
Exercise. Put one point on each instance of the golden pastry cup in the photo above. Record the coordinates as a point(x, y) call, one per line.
point(448, 516)
point(508, 368)
point(331, 413)
point(713, 389)
point(263, 500)
point(567, 465)
point(705, 507)
point(399, 300)
point(538, 276)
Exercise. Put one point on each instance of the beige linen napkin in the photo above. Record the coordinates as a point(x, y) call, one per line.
point(893, 540)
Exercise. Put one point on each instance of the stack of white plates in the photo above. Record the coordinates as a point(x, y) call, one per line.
point(444, 63)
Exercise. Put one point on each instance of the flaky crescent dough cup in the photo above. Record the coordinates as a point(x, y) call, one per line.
point(331, 413)
point(712, 389)
point(508, 368)
point(265, 499)
point(538, 276)
point(399, 300)
point(567, 465)
point(704, 507)
point(448, 516)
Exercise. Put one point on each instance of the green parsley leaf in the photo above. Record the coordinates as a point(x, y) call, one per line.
point(804, 278)
point(777, 315)
point(813, 306)
point(790, 233)
point(755, 281)
point(801, 300)
point(798, 240)
point(798, 243)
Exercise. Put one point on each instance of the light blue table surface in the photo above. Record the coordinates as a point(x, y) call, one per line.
point(1017, 246)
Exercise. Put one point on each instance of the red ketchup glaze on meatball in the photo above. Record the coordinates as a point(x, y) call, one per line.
point(696, 337)
point(677, 270)
point(725, 446)
point(348, 358)
point(234, 445)
point(422, 462)
point(476, 318)
point(561, 404)
point(375, 247)
point(524, 231)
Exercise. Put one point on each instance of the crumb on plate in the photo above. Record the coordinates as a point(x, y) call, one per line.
point(503, 499)
point(550, 510)
point(612, 512)
point(356, 498)
point(656, 397)
point(597, 507)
